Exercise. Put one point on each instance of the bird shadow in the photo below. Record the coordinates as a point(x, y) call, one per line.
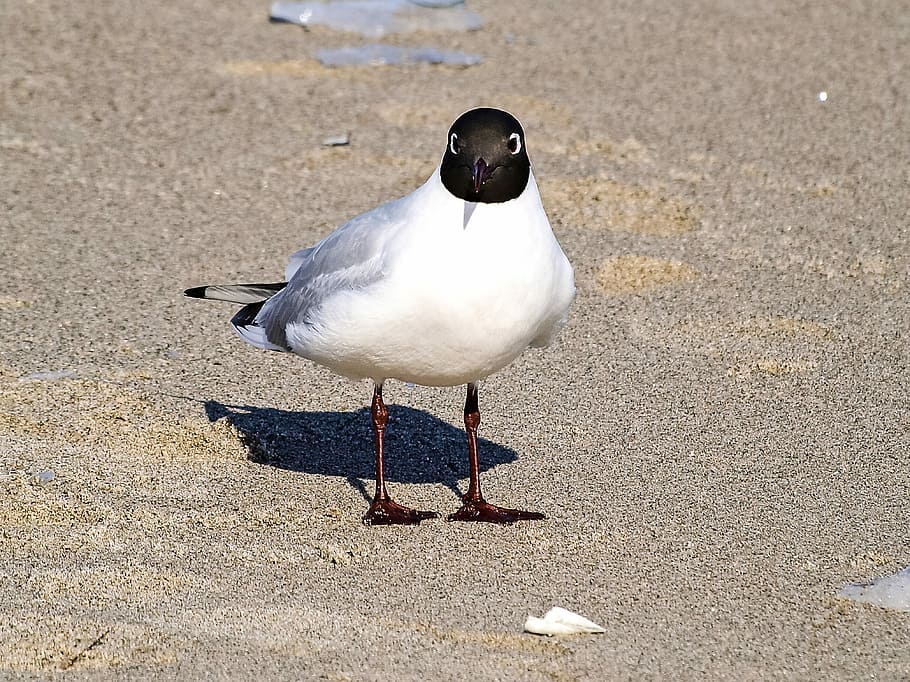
point(420, 448)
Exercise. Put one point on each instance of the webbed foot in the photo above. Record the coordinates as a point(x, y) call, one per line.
point(386, 512)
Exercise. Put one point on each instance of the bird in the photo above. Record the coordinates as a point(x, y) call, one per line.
point(442, 287)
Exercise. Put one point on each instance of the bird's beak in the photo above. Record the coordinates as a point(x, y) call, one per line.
point(482, 173)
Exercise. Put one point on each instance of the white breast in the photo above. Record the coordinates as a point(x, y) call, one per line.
point(459, 301)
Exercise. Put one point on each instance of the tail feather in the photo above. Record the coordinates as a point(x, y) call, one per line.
point(252, 296)
point(236, 293)
point(244, 323)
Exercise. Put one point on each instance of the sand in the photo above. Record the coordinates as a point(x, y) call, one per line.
point(719, 437)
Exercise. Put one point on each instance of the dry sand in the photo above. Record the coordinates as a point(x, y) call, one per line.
point(719, 437)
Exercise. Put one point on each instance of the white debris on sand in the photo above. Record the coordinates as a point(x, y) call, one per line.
point(44, 477)
point(337, 141)
point(889, 592)
point(376, 18)
point(54, 375)
point(560, 621)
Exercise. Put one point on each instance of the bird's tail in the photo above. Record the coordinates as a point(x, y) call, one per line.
point(236, 293)
point(252, 296)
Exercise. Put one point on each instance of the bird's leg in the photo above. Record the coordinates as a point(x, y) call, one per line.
point(474, 507)
point(383, 510)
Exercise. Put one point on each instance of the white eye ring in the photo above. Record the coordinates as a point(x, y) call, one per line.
point(514, 141)
point(452, 141)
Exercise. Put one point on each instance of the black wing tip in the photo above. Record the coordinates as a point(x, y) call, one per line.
point(195, 292)
point(246, 316)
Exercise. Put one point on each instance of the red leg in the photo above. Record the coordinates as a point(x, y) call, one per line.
point(384, 511)
point(475, 508)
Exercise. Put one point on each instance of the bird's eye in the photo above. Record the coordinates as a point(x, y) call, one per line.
point(514, 143)
point(454, 147)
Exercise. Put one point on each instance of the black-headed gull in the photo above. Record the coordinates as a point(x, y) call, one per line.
point(442, 287)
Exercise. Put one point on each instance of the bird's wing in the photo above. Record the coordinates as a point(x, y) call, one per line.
point(353, 257)
point(296, 260)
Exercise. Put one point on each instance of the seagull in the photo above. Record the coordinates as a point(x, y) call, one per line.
point(442, 287)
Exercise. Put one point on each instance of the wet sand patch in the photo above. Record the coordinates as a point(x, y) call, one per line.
point(771, 346)
point(11, 303)
point(632, 274)
point(772, 366)
point(601, 203)
point(62, 643)
point(107, 415)
point(296, 68)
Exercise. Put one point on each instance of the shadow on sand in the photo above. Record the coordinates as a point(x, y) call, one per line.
point(419, 447)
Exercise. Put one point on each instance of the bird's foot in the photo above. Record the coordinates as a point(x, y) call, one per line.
point(386, 512)
point(479, 510)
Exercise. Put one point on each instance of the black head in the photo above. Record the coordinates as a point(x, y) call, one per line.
point(486, 159)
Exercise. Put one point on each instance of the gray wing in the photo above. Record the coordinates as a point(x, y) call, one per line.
point(353, 257)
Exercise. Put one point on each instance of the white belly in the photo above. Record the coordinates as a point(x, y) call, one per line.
point(458, 304)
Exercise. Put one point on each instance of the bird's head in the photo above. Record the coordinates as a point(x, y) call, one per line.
point(485, 159)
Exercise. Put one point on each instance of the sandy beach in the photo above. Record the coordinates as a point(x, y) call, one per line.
point(719, 437)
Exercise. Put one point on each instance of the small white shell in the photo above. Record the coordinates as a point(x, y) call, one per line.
point(559, 621)
point(337, 141)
